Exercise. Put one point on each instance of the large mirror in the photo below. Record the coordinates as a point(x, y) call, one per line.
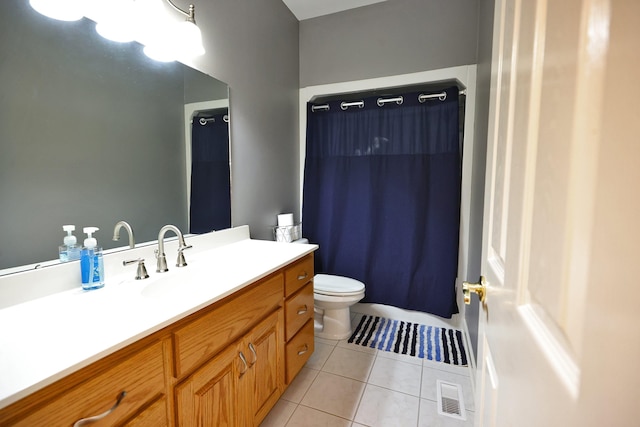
point(91, 132)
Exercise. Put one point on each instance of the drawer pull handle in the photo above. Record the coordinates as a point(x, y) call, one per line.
point(244, 361)
point(255, 355)
point(303, 310)
point(90, 420)
point(301, 352)
point(302, 276)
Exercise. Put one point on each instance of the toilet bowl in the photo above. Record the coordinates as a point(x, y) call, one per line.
point(332, 297)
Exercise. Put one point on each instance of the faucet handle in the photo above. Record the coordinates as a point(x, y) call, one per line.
point(181, 262)
point(141, 272)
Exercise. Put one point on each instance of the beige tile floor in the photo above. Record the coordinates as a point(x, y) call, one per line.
point(346, 385)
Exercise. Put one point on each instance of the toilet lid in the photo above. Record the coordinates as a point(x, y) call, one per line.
point(327, 284)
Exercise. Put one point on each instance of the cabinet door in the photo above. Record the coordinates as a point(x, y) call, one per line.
point(209, 396)
point(264, 348)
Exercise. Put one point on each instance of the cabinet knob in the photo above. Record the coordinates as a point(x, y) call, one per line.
point(90, 420)
point(302, 276)
point(303, 310)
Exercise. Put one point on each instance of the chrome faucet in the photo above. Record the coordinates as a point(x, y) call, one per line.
point(162, 259)
point(116, 233)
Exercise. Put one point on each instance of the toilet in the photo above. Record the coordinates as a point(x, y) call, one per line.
point(332, 298)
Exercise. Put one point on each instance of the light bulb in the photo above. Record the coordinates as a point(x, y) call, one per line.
point(189, 39)
point(116, 20)
point(63, 10)
point(159, 53)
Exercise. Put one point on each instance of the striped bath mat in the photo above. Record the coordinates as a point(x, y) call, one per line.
point(426, 342)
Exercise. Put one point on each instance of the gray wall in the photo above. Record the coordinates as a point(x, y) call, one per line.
point(386, 39)
point(253, 46)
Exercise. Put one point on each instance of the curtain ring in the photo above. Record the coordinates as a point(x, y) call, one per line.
point(345, 105)
point(398, 100)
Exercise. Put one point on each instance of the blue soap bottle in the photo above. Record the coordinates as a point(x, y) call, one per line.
point(91, 262)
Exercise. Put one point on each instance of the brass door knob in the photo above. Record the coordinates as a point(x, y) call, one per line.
point(479, 288)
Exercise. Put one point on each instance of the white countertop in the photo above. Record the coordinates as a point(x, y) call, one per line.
point(47, 338)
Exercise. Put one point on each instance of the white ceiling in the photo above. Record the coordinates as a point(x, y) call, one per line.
point(305, 9)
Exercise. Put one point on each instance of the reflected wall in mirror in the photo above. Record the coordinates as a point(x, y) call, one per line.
point(91, 132)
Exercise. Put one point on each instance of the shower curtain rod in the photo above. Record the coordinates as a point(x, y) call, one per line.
point(381, 101)
point(203, 121)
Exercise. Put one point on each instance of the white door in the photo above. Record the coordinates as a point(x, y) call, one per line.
point(559, 340)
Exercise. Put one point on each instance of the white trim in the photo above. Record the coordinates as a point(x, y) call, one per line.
point(554, 347)
point(465, 75)
point(492, 131)
point(471, 356)
point(496, 264)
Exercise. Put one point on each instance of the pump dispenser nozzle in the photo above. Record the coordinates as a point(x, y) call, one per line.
point(69, 251)
point(90, 242)
point(69, 239)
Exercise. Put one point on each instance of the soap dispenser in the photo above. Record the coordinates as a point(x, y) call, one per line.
point(69, 251)
point(91, 262)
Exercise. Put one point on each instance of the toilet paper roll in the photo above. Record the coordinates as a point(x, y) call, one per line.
point(285, 220)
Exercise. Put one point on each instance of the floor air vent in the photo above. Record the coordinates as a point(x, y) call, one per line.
point(450, 401)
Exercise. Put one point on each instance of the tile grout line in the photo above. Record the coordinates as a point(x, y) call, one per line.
point(377, 355)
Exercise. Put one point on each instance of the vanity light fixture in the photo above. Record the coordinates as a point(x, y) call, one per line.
point(116, 20)
point(63, 10)
point(125, 20)
point(177, 39)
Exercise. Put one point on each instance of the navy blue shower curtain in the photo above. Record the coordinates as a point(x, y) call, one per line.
point(210, 175)
point(382, 198)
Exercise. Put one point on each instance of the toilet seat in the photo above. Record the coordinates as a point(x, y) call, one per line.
point(326, 284)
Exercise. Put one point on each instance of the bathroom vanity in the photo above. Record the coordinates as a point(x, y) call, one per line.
point(214, 343)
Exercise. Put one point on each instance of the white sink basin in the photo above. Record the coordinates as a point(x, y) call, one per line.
point(170, 285)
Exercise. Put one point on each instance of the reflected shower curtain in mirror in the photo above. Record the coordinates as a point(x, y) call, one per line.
point(210, 175)
point(382, 198)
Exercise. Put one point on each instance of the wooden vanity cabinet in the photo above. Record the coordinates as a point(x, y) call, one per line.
point(225, 365)
point(240, 384)
point(298, 315)
point(138, 370)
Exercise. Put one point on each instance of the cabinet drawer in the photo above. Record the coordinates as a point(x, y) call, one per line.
point(299, 349)
point(155, 415)
point(229, 319)
point(298, 274)
point(298, 309)
point(141, 376)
